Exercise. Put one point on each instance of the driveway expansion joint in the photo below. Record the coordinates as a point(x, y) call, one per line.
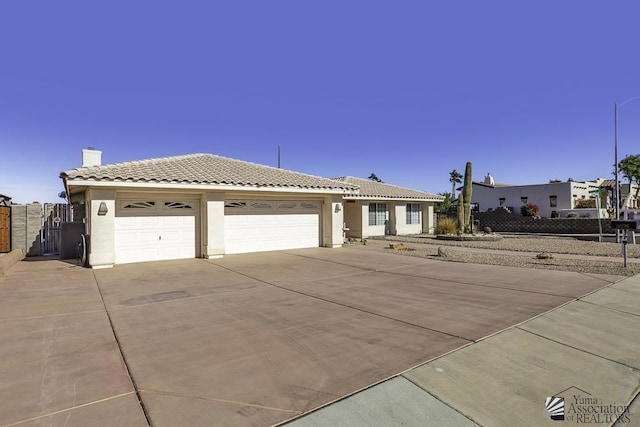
point(124, 359)
point(461, 282)
point(617, 310)
point(45, 316)
point(218, 400)
point(577, 348)
point(439, 400)
point(72, 408)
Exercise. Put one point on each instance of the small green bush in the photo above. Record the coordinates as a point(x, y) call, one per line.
point(529, 209)
point(447, 225)
point(573, 215)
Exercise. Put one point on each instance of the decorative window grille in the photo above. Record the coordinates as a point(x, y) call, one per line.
point(177, 205)
point(236, 205)
point(261, 205)
point(287, 205)
point(139, 205)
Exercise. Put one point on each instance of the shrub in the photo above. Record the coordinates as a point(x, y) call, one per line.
point(585, 204)
point(488, 230)
point(529, 209)
point(573, 215)
point(447, 225)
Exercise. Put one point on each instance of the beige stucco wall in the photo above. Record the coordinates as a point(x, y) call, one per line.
point(401, 220)
point(428, 218)
point(372, 230)
point(353, 218)
point(212, 232)
point(101, 228)
point(357, 219)
point(332, 221)
point(210, 218)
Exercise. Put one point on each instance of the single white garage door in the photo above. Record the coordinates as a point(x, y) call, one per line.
point(258, 226)
point(156, 232)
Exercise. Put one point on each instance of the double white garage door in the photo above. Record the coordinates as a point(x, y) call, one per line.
point(258, 226)
point(156, 230)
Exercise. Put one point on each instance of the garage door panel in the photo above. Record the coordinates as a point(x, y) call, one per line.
point(269, 232)
point(154, 238)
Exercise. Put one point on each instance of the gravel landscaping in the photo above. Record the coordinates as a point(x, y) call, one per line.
point(520, 251)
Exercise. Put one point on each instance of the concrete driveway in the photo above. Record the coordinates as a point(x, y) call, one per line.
point(248, 340)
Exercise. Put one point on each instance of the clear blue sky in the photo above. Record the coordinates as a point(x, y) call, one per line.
point(408, 90)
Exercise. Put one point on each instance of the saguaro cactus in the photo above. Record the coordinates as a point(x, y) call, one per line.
point(460, 211)
point(466, 190)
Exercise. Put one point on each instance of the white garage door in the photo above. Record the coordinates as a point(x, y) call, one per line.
point(155, 231)
point(257, 226)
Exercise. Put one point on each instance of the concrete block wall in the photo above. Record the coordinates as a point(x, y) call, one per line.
point(506, 222)
point(26, 221)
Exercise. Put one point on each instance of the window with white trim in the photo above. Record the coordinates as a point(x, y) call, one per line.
point(413, 213)
point(377, 213)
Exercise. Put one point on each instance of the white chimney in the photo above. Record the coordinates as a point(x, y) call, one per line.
point(91, 157)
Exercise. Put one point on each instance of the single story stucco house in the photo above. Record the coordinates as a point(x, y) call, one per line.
point(203, 205)
point(379, 209)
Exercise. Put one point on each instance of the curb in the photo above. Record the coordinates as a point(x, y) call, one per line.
point(8, 261)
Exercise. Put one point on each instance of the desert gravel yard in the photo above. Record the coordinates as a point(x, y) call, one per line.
point(532, 243)
point(568, 254)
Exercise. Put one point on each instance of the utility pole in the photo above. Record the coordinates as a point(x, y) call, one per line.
point(278, 156)
point(617, 184)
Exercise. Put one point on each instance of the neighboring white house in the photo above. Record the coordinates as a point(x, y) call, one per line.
point(203, 205)
point(551, 198)
point(379, 209)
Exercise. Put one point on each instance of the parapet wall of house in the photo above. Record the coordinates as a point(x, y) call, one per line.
point(502, 221)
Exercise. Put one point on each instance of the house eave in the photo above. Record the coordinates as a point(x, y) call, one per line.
point(402, 199)
point(198, 186)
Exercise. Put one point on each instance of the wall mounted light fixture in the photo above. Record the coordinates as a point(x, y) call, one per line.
point(338, 208)
point(102, 209)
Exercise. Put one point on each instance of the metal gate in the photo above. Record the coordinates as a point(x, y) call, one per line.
point(54, 215)
point(5, 229)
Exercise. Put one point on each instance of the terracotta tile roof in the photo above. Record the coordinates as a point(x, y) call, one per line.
point(203, 169)
point(371, 189)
